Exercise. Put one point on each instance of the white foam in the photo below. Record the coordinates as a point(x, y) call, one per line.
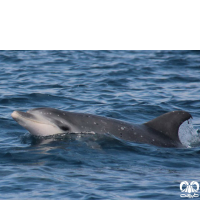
point(187, 134)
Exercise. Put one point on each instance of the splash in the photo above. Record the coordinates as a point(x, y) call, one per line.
point(188, 136)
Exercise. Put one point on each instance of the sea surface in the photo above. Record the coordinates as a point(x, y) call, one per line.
point(132, 86)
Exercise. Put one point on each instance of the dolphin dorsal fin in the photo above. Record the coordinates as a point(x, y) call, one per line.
point(169, 123)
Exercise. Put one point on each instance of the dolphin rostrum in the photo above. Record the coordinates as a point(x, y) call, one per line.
point(161, 131)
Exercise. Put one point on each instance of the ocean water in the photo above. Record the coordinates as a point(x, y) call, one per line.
point(133, 86)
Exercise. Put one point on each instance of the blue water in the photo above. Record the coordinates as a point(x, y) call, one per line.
point(133, 86)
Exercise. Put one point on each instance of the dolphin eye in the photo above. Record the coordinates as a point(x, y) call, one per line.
point(64, 128)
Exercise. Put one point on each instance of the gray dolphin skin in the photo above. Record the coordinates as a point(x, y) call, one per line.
point(161, 131)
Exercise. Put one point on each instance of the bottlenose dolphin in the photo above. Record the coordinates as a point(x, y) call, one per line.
point(161, 131)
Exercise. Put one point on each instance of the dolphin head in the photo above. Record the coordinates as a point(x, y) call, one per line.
point(44, 121)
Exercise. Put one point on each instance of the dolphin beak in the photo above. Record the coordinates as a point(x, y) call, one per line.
point(18, 115)
point(15, 114)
